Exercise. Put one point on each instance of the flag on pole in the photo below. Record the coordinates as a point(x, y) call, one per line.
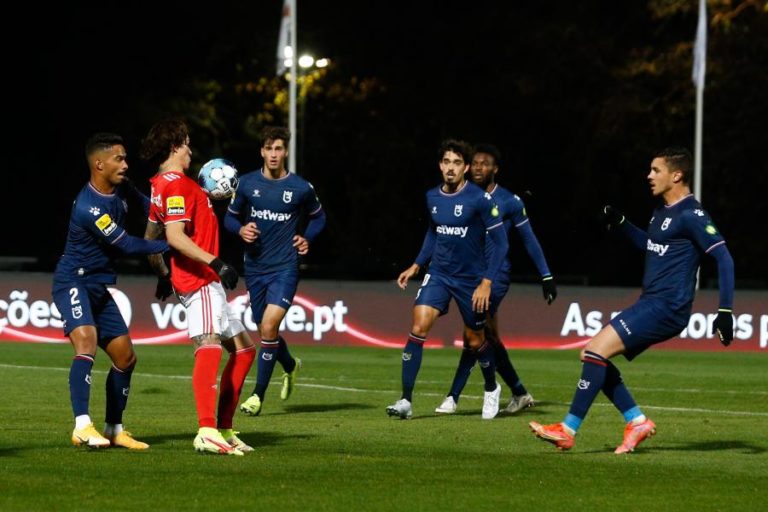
point(700, 48)
point(284, 50)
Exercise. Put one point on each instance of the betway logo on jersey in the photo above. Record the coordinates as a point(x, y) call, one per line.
point(452, 230)
point(270, 215)
point(657, 248)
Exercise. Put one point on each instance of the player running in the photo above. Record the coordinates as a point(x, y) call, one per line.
point(679, 234)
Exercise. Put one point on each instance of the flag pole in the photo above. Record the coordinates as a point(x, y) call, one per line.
point(699, 72)
point(698, 142)
point(292, 92)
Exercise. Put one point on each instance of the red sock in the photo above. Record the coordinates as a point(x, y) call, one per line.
point(207, 359)
point(232, 379)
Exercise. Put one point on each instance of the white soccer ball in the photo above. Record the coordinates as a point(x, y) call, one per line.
point(218, 177)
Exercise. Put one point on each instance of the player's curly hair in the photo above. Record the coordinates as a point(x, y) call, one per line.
point(162, 138)
point(489, 149)
point(459, 147)
point(678, 158)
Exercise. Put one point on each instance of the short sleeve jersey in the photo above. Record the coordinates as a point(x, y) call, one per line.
point(460, 221)
point(178, 198)
point(678, 235)
point(95, 224)
point(276, 207)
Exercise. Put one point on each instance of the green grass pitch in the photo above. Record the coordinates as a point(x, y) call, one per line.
point(332, 447)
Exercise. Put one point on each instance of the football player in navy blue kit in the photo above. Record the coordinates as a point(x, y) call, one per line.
point(679, 234)
point(265, 213)
point(483, 170)
point(460, 214)
point(91, 317)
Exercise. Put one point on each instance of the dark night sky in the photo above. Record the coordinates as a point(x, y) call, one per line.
point(529, 77)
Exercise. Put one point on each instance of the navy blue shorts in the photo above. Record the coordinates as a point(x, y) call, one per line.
point(646, 323)
point(437, 290)
point(276, 288)
point(82, 303)
point(499, 289)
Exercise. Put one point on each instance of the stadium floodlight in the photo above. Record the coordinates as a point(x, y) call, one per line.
point(306, 61)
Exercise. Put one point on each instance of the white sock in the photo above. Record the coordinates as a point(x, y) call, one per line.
point(568, 430)
point(638, 420)
point(112, 429)
point(82, 421)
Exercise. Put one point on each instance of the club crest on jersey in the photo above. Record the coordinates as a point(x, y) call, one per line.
point(106, 224)
point(174, 205)
point(458, 209)
point(287, 196)
point(665, 224)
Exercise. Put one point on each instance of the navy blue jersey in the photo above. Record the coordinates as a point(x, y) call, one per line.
point(95, 225)
point(678, 235)
point(512, 212)
point(275, 206)
point(459, 222)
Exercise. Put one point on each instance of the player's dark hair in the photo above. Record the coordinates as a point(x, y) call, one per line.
point(162, 138)
point(101, 141)
point(680, 159)
point(489, 149)
point(459, 147)
point(272, 133)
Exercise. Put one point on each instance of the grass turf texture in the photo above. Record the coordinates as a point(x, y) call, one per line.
point(332, 447)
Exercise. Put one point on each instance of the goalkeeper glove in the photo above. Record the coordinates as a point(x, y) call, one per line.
point(227, 273)
point(549, 288)
point(612, 217)
point(723, 326)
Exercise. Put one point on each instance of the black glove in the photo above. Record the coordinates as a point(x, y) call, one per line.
point(611, 217)
point(164, 288)
point(227, 273)
point(549, 289)
point(723, 326)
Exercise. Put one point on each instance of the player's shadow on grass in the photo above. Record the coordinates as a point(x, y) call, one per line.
point(715, 446)
point(256, 439)
point(312, 408)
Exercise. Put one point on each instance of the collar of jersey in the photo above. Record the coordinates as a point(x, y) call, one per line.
point(440, 189)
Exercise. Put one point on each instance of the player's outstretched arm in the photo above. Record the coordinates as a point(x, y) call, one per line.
point(136, 246)
point(614, 220)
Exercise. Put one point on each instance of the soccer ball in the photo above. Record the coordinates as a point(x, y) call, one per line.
point(218, 177)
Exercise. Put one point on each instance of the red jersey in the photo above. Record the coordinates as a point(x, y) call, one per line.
point(178, 198)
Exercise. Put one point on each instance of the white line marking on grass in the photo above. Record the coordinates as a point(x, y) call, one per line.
point(394, 392)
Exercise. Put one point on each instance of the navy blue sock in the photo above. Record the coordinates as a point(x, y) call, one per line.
point(506, 371)
point(487, 365)
point(265, 366)
point(80, 383)
point(593, 370)
point(411, 364)
point(466, 363)
point(617, 392)
point(284, 356)
point(118, 387)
